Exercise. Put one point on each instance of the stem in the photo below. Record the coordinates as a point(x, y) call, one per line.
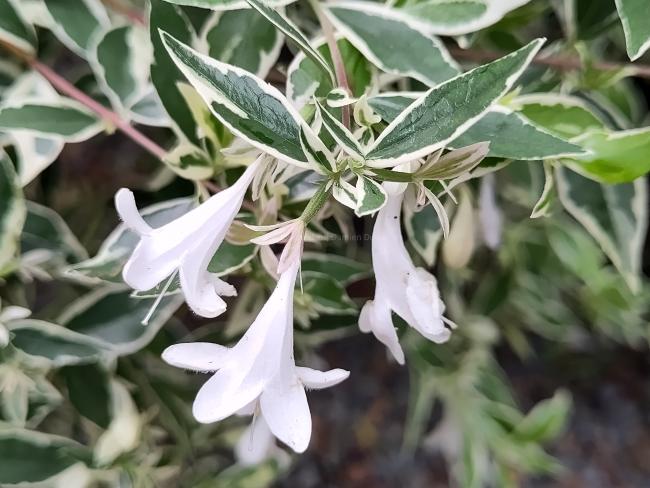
point(337, 59)
point(317, 201)
point(561, 63)
point(67, 88)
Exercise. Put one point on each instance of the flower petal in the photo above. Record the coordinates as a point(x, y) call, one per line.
point(223, 395)
point(286, 411)
point(147, 266)
point(128, 211)
point(317, 380)
point(376, 317)
point(197, 356)
point(426, 307)
point(255, 444)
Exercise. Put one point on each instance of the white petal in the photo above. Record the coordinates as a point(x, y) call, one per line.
point(255, 444)
point(4, 336)
point(269, 261)
point(424, 301)
point(128, 211)
point(197, 356)
point(293, 248)
point(286, 411)
point(317, 380)
point(376, 317)
point(198, 283)
point(223, 395)
point(274, 236)
point(147, 267)
point(223, 288)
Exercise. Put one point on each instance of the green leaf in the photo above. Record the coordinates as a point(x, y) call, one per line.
point(443, 17)
point(12, 210)
point(563, 115)
point(319, 156)
point(165, 76)
point(121, 61)
point(329, 295)
point(305, 79)
point(189, 162)
point(220, 5)
point(248, 106)
point(13, 27)
point(616, 157)
point(340, 133)
point(29, 456)
point(114, 318)
point(616, 216)
point(371, 196)
point(459, 102)
point(77, 22)
point(230, 257)
point(64, 118)
point(293, 33)
point(543, 206)
point(243, 38)
point(115, 250)
point(635, 17)
point(394, 44)
point(88, 390)
point(55, 343)
point(511, 136)
point(342, 269)
point(45, 229)
point(546, 420)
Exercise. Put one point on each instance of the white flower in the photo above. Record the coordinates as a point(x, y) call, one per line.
point(409, 291)
point(186, 244)
point(8, 314)
point(259, 370)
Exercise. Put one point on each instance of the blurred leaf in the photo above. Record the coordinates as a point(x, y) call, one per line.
point(29, 456)
point(77, 22)
point(13, 27)
point(328, 294)
point(546, 420)
point(57, 344)
point(342, 269)
point(635, 17)
point(88, 389)
point(616, 216)
point(12, 210)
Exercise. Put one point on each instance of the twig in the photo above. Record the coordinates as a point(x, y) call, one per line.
point(67, 88)
point(561, 63)
point(337, 59)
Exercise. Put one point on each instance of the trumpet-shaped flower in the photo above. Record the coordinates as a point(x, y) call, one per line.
point(186, 244)
point(259, 370)
point(403, 288)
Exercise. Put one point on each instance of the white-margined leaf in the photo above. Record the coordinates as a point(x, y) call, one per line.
point(340, 133)
point(563, 115)
point(371, 196)
point(635, 17)
point(58, 345)
point(456, 18)
point(328, 295)
point(165, 76)
point(395, 44)
point(249, 107)
point(44, 229)
point(318, 155)
point(305, 80)
point(446, 111)
point(423, 231)
point(64, 118)
point(13, 27)
point(121, 60)
point(221, 5)
point(292, 32)
point(243, 38)
point(543, 206)
point(511, 135)
point(190, 162)
point(12, 210)
point(30, 456)
point(115, 318)
point(77, 23)
point(616, 216)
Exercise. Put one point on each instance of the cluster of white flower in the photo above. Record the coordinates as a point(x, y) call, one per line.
point(258, 376)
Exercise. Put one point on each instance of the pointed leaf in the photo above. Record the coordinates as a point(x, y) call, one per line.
point(248, 106)
point(635, 17)
point(340, 133)
point(77, 22)
point(13, 27)
point(394, 44)
point(371, 196)
point(12, 210)
point(459, 102)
